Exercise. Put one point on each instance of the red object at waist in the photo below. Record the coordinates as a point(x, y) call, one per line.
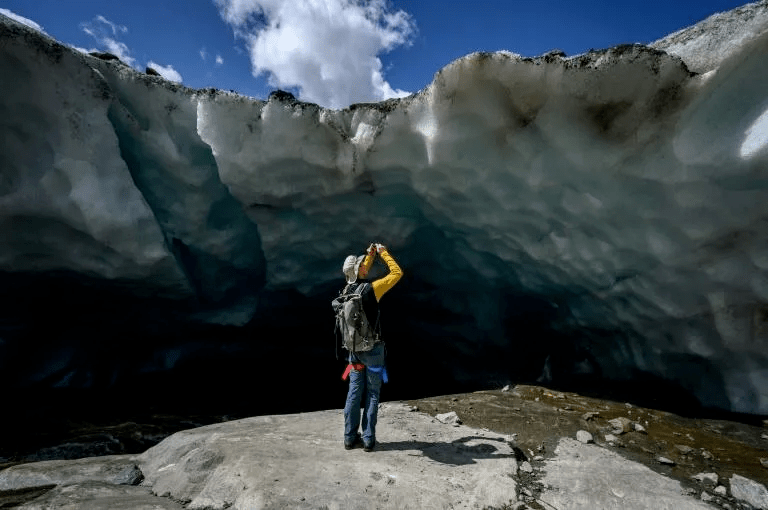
point(356, 366)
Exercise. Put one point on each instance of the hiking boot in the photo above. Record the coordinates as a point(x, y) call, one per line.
point(357, 441)
point(368, 447)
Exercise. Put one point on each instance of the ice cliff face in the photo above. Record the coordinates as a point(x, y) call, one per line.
point(595, 218)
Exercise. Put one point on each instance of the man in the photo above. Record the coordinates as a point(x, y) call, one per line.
point(366, 369)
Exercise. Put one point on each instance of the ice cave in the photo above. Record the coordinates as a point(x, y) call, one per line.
point(590, 221)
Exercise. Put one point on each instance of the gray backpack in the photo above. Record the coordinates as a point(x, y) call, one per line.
point(357, 335)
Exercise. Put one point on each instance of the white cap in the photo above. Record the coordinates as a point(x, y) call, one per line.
point(350, 267)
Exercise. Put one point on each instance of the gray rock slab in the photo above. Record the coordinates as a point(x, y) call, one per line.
point(113, 469)
point(585, 476)
point(298, 461)
point(100, 496)
point(750, 491)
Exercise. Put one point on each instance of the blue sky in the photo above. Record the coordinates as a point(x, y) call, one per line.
point(335, 52)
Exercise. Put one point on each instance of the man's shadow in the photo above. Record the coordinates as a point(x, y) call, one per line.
point(458, 452)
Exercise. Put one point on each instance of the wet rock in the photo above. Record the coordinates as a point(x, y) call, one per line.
point(750, 491)
point(764, 462)
point(720, 490)
point(590, 415)
point(685, 450)
point(706, 454)
point(112, 469)
point(664, 460)
point(639, 428)
point(584, 437)
point(450, 418)
point(706, 497)
point(100, 495)
point(611, 438)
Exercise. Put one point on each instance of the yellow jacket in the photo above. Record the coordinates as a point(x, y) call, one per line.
point(382, 285)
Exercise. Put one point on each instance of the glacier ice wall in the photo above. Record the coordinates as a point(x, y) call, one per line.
point(574, 220)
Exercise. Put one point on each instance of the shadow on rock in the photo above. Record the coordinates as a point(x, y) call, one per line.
point(457, 452)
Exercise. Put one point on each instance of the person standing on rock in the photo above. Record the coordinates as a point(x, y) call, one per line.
point(357, 313)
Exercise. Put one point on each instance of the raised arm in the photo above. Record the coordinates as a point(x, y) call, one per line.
point(382, 285)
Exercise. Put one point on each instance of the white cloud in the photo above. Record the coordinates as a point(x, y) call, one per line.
point(21, 19)
point(203, 54)
point(103, 30)
point(115, 28)
point(219, 60)
point(328, 49)
point(167, 72)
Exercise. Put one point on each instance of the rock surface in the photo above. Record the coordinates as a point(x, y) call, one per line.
point(587, 476)
point(265, 462)
point(275, 461)
point(750, 491)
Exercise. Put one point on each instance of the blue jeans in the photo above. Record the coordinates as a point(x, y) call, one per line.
point(364, 388)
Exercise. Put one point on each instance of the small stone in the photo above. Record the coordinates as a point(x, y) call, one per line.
point(526, 467)
point(505, 388)
point(449, 418)
point(706, 454)
point(690, 437)
point(589, 416)
point(414, 408)
point(611, 438)
point(765, 423)
point(639, 428)
point(536, 399)
point(685, 450)
point(764, 462)
point(706, 497)
point(664, 460)
point(706, 478)
point(584, 437)
point(620, 425)
point(764, 436)
point(455, 399)
point(527, 492)
point(538, 458)
point(720, 490)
